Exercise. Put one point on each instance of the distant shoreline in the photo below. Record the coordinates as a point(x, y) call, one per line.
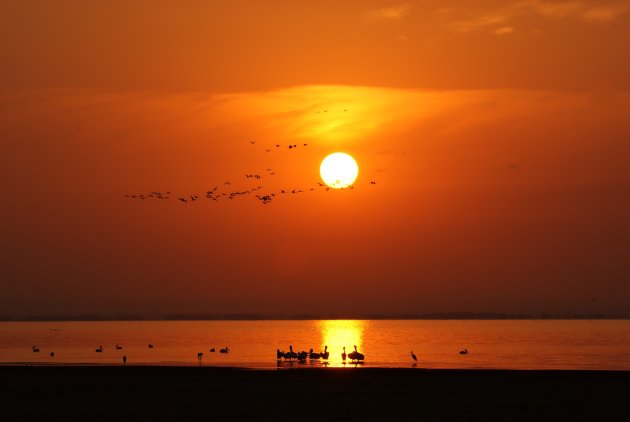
point(260, 317)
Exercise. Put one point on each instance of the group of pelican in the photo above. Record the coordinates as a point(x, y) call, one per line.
point(225, 350)
point(303, 355)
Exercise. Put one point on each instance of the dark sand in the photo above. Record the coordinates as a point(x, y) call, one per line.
point(184, 393)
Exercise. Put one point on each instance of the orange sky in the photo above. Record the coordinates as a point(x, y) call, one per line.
point(498, 136)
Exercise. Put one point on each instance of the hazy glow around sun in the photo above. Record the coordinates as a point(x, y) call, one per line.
point(339, 170)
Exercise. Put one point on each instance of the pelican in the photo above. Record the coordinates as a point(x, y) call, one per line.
point(118, 347)
point(150, 346)
point(463, 352)
point(212, 350)
point(356, 356)
point(99, 350)
point(325, 353)
point(415, 359)
point(35, 349)
point(312, 355)
point(279, 354)
point(52, 354)
point(290, 354)
point(224, 350)
point(199, 356)
point(302, 356)
point(343, 355)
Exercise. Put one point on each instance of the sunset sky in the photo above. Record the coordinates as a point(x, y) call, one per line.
point(497, 134)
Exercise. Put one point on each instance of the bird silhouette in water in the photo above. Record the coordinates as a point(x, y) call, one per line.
point(225, 350)
point(99, 350)
point(118, 347)
point(212, 350)
point(413, 356)
point(356, 356)
point(343, 355)
point(150, 346)
point(35, 349)
point(52, 354)
point(325, 353)
point(290, 354)
point(463, 352)
point(124, 360)
point(199, 356)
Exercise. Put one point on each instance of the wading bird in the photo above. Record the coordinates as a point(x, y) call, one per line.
point(356, 356)
point(463, 352)
point(415, 359)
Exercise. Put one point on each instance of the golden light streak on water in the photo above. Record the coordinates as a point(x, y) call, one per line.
point(339, 333)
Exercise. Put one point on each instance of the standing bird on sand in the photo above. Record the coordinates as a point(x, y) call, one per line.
point(415, 359)
point(343, 355)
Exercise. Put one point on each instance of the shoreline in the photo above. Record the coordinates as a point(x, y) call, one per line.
point(229, 393)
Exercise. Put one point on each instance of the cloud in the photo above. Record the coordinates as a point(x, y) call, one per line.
point(551, 9)
point(388, 13)
point(584, 10)
point(503, 30)
point(603, 13)
point(467, 25)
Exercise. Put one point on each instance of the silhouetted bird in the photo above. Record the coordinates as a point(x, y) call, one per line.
point(312, 355)
point(52, 354)
point(212, 350)
point(279, 354)
point(118, 347)
point(463, 352)
point(325, 353)
point(225, 350)
point(150, 346)
point(356, 356)
point(290, 354)
point(199, 356)
point(343, 355)
point(35, 349)
point(415, 359)
point(124, 360)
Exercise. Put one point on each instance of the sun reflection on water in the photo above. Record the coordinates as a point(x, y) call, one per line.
point(339, 333)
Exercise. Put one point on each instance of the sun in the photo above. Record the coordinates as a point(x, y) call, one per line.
point(339, 170)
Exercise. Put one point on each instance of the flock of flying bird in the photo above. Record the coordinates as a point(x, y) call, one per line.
point(215, 194)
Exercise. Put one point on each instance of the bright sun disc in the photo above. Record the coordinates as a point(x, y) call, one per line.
point(339, 170)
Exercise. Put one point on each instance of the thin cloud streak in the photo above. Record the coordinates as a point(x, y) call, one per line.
point(388, 13)
point(584, 11)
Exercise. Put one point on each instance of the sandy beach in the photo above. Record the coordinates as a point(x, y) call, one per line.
point(165, 393)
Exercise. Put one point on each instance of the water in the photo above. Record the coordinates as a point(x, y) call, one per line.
point(523, 344)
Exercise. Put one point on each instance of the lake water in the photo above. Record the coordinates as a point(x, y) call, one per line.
point(522, 344)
